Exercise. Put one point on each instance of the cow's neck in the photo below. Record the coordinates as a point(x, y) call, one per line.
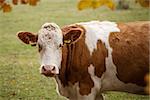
point(66, 63)
point(71, 61)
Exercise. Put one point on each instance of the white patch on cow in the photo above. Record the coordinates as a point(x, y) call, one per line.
point(72, 91)
point(96, 30)
point(97, 84)
point(69, 91)
point(60, 88)
point(49, 38)
point(96, 80)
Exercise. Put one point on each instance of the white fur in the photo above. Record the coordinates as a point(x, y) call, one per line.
point(97, 84)
point(72, 91)
point(50, 37)
point(96, 80)
point(96, 30)
point(69, 91)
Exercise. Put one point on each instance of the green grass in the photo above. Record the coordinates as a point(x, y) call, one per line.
point(19, 64)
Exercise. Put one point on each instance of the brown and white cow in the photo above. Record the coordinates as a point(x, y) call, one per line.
point(89, 58)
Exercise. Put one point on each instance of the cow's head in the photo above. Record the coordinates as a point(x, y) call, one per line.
point(50, 41)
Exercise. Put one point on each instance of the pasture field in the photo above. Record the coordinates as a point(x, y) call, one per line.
point(19, 64)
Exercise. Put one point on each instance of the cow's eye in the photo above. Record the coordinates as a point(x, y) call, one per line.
point(60, 46)
point(39, 47)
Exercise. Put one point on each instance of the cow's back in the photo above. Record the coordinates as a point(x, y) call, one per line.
point(131, 51)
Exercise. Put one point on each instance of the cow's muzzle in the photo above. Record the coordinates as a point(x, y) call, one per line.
point(49, 71)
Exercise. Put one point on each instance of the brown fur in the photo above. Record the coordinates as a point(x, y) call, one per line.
point(76, 60)
point(28, 38)
point(131, 51)
point(98, 58)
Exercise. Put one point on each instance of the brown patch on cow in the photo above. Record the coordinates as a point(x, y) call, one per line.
point(76, 59)
point(75, 62)
point(98, 58)
point(131, 52)
point(28, 38)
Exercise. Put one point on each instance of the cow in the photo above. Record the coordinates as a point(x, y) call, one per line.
point(90, 58)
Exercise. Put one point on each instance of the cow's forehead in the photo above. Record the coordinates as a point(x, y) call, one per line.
point(48, 32)
point(50, 26)
point(50, 29)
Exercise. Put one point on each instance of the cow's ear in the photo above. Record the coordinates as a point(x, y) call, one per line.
point(73, 35)
point(28, 38)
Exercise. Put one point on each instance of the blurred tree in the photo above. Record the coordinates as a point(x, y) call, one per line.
point(122, 4)
point(6, 5)
point(83, 4)
point(143, 3)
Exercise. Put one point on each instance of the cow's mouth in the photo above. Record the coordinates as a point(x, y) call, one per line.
point(48, 74)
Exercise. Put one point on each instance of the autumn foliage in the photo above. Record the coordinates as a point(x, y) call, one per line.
point(7, 6)
point(143, 3)
point(83, 4)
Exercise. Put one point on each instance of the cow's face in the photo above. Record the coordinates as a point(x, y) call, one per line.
point(50, 41)
point(49, 45)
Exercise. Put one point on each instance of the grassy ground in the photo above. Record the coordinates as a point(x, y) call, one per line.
point(19, 64)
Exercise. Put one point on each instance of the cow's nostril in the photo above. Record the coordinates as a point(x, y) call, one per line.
point(43, 68)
